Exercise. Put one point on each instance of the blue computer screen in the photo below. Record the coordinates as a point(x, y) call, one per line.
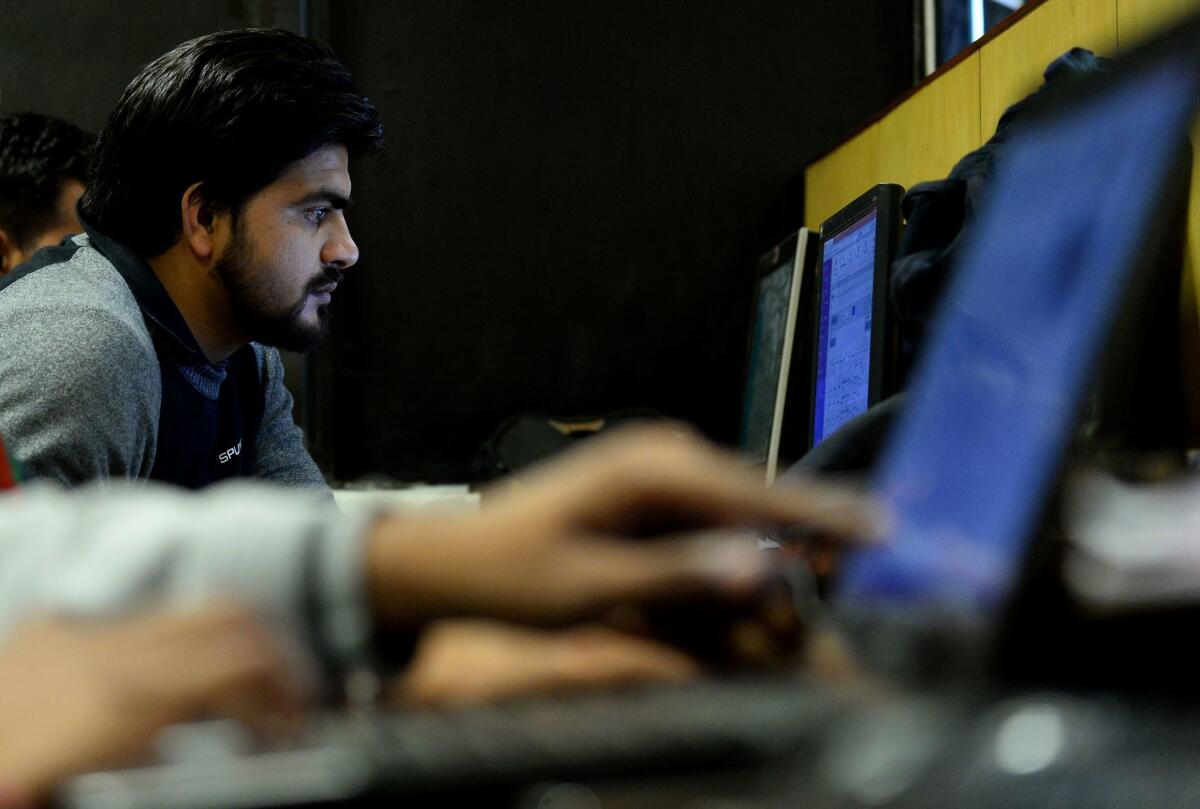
point(843, 377)
point(996, 397)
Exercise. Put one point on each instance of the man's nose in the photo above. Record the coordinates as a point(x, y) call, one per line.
point(339, 249)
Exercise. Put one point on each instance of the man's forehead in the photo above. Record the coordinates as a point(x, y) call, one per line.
point(327, 167)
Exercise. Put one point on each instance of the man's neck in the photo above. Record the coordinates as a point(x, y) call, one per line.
point(202, 300)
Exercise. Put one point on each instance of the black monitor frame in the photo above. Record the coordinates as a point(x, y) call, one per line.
point(884, 199)
point(792, 433)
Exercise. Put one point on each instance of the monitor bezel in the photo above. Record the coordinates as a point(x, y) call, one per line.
point(800, 248)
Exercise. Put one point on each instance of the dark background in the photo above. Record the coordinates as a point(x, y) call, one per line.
point(571, 207)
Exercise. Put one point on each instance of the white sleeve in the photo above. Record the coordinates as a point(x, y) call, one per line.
point(296, 562)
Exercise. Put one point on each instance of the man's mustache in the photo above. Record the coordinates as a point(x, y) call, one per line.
point(330, 275)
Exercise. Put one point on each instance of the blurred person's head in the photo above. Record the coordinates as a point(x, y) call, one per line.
point(233, 150)
point(43, 168)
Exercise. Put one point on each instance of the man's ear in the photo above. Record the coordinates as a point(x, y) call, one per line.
point(10, 254)
point(199, 222)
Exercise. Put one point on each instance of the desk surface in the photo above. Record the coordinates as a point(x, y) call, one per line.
point(421, 498)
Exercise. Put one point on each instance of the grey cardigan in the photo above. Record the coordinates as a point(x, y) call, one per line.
point(80, 386)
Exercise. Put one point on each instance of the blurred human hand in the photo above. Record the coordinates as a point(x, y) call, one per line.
point(79, 696)
point(647, 515)
point(465, 661)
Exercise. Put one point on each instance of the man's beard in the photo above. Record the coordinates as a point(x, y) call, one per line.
point(258, 314)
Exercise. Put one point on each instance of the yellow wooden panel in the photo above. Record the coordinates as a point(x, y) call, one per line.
point(1011, 65)
point(1138, 18)
point(839, 177)
point(925, 136)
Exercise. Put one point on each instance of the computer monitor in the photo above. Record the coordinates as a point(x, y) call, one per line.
point(777, 375)
point(1053, 281)
point(853, 337)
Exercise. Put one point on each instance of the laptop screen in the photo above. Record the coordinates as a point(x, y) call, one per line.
point(843, 373)
point(970, 464)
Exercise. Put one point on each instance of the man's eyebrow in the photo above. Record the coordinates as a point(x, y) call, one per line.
point(336, 199)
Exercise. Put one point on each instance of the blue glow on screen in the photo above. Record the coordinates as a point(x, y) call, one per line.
point(843, 379)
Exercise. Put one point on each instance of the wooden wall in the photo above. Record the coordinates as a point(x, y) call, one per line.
point(924, 136)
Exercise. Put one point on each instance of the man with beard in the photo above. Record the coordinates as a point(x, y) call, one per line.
point(215, 231)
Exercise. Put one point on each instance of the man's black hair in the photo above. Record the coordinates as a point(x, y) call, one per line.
point(230, 111)
point(37, 155)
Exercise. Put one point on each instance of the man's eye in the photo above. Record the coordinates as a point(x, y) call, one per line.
point(317, 215)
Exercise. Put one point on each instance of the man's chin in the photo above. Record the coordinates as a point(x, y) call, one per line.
point(298, 335)
point(305, 341)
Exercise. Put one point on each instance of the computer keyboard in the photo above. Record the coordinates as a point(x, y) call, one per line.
point(342, 758)
point(815, 748)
